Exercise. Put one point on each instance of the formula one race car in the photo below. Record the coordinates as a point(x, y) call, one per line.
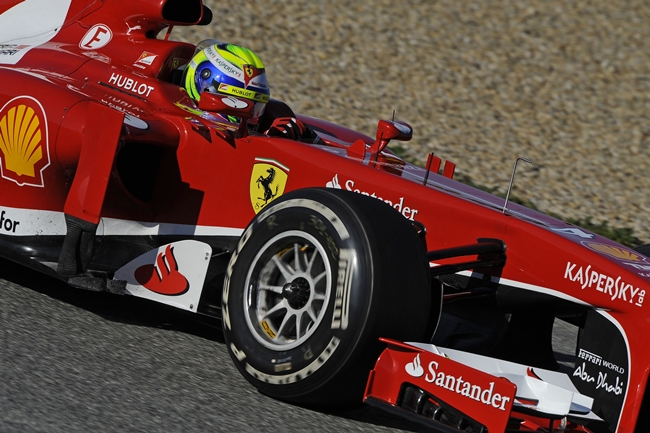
point(114, 179)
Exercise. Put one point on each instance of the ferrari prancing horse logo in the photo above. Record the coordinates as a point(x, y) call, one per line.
point(268, 181)
point(24, 150)
point(251, 72)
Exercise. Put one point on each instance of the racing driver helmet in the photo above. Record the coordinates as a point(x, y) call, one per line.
point(228, 69)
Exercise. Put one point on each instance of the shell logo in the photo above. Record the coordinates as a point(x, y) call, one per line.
point(24, 150)
point(615, 252)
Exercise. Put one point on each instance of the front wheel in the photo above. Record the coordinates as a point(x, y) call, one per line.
point(317, 277)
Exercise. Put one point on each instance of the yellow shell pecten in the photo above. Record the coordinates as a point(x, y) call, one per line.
point(20, 138)
point(616, 252)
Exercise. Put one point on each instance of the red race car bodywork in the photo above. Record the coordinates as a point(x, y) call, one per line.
point(113, 179)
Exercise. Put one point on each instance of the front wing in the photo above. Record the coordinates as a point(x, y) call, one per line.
point(453, 391)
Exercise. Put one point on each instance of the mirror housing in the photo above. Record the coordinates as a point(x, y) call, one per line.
point(391, 130)
point(229, 106)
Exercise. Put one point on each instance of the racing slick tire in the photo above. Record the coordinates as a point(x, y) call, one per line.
point(316, 278)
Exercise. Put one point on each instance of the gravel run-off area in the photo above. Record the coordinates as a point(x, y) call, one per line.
point(563, 83)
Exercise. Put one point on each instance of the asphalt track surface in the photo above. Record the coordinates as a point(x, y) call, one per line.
point(77, 361)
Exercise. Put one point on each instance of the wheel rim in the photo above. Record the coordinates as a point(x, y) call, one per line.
point(287, 290)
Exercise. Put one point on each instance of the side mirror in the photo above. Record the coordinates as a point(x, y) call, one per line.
point(391, 130)
point(229, 106)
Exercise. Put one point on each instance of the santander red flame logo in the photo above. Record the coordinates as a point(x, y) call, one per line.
point(163, 277)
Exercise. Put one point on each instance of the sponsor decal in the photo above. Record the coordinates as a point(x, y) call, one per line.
point(97, 37)
point(259, 84)
point(282, 364)
point(415, 368)
point(25, 24)
point(616, 252)
point(581, 372)
point(602, 366)
point(614, 288)
point(608, 386)
point(598, 360)
point(31, 222)
point(172, 274)
point(296, 376)
point(278, 368)
point(135, 122)
point(399, 204)
point(131, 85)
point(483, 394)
point(7, 224)
point(11, 49)
point(267, 329)
point(121, 105)
point(163, 277)
point(24, 146)
point(251, 72)
point(615, 387)
point(249, 94)
point(145, 59)
point(130, 29)
point(234, 102)
point(268, 180)
point(343, 289)
point(574, 231)
point(223, 64)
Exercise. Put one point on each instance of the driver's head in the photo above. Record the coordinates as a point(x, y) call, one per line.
point(228, 69)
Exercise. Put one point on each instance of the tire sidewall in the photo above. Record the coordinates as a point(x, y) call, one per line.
point(343, 322)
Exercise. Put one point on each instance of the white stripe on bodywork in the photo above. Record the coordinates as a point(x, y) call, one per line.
point(28, 24)
point(30, 222)
point(112, 227)
point(33, 222)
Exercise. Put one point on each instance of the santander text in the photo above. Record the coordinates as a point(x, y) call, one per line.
point(486, 396)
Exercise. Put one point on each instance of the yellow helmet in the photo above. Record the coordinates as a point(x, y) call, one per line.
point(228, 69)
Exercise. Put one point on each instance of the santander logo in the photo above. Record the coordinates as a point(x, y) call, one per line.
point(415, 368)
point(398, 204)
point(163, 277)
point(480, 392)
